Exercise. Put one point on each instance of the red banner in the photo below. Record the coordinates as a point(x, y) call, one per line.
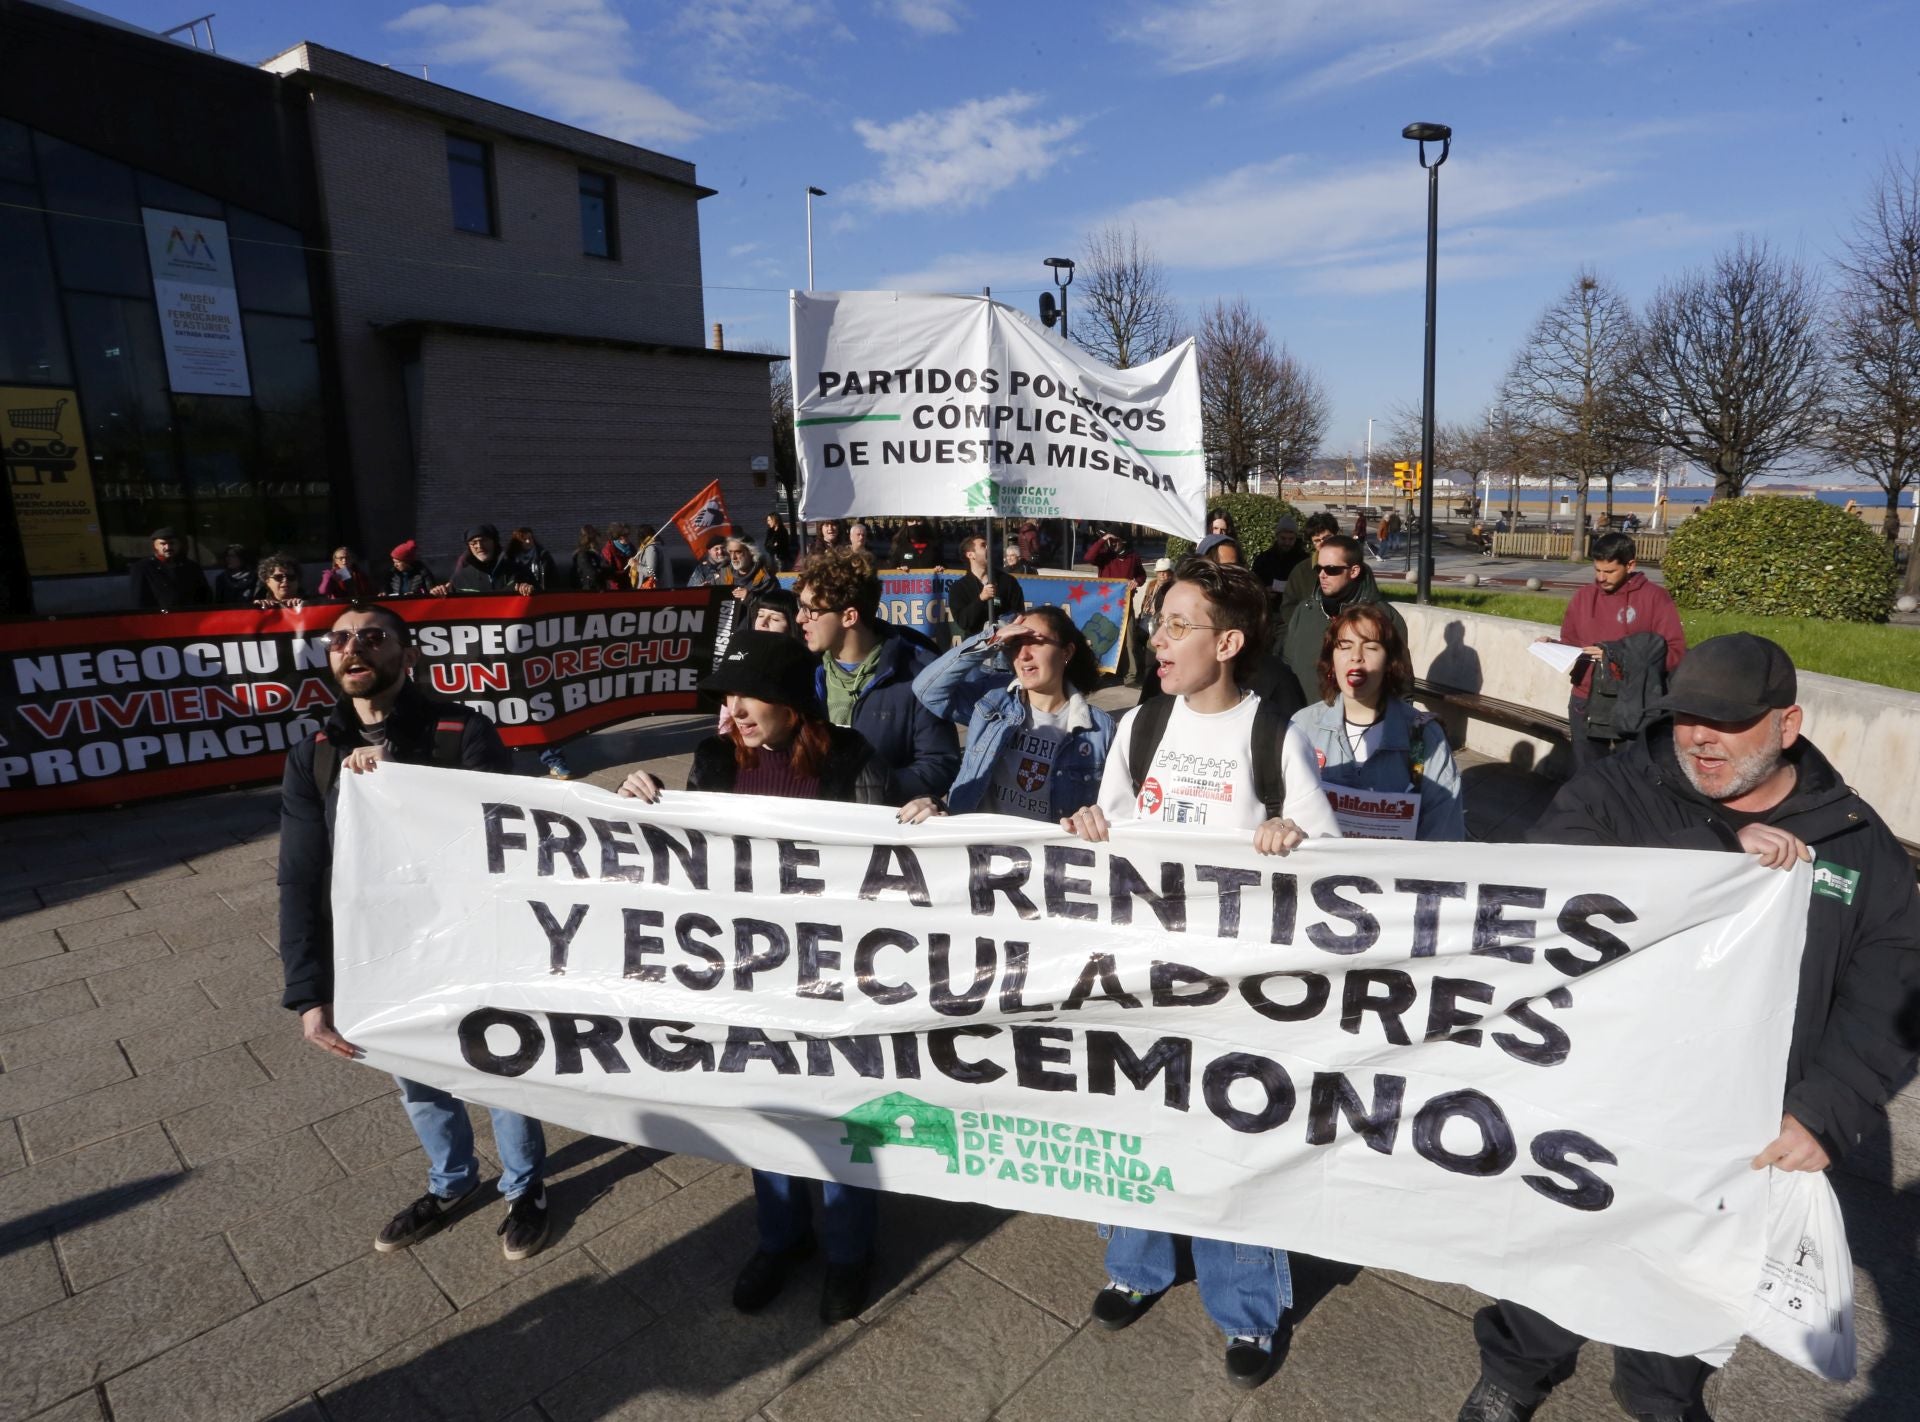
point(102, 710)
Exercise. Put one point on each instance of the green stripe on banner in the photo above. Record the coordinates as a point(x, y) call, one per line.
point(842, 419)
point(1167, 453)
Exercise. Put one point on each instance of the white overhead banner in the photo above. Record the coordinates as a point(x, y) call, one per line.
point(956, 406)
point(1538, 1072)
point(199, 307)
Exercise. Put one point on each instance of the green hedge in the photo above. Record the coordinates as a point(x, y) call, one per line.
point(1768, 555)
point(1254, 515)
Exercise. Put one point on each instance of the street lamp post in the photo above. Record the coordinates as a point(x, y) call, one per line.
point(812, 193)
point(1423, 134)
point(1050, 311)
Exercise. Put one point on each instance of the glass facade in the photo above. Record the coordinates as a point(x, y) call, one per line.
point(80, 316)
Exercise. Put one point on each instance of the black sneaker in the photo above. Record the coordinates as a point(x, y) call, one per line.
point(764, 1276)
point(1490, 1402)
point(1116, 1306)
point(1249, 1361)
point(845, 1292)
point(524, 1231)
point(418, 1220)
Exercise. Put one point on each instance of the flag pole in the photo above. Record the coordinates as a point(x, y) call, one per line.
point(993, 436)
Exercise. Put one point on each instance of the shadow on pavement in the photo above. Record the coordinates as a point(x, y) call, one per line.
point(18, 1233)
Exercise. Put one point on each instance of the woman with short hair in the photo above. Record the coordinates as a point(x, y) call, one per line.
point(1367, 736)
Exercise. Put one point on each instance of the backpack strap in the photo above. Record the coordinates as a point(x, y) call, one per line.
point(447, 735)
point(1269, 773)
point(1149, 726)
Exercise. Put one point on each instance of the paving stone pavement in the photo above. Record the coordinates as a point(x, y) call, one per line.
point(188, 1198)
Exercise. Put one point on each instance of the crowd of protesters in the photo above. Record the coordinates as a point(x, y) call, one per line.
point(1261, 686)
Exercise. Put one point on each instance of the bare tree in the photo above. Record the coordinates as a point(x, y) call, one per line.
point(780, 409)
point(1259, 406)
point(1125, 314)
point(1729, 372)
point(1567, 389)
point(1874, 341)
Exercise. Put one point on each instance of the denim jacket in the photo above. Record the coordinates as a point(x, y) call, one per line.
point(1443, 814)
point(970, 683)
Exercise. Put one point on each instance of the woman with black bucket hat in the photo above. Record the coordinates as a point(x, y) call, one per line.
point(779, 742)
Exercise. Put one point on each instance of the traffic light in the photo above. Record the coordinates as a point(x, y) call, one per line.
point(1407, 476)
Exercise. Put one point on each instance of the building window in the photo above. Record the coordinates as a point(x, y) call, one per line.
point(597, 236)
point(470, 175)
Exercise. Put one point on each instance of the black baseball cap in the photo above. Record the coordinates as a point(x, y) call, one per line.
point(1732, 678)
point(483, 530)
point(769, 666)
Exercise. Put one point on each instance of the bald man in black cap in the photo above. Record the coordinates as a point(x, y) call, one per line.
point(1724, 766)
point(169, 580)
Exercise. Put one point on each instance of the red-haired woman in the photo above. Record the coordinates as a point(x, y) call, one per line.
point(1367, 736)
point(780, 743)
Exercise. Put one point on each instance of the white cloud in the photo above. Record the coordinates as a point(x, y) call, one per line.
point(1344, 42)
point(572, 58)
point(929, 17)
point(1012, 275)
point(959, 157)
point(735, 25)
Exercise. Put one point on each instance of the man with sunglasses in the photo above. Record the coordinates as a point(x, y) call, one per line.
point(381, 715)
point(1340, 568)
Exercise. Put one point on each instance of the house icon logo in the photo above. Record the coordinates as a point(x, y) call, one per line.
point(898, 1119)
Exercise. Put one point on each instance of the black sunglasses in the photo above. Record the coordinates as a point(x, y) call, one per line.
point(345, 637)
point(1324, 569)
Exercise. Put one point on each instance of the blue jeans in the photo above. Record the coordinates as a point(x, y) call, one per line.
point(446, 1133)
point(785, 1214)
point(1244, 1287)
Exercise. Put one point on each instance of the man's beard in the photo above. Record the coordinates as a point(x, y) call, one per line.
point(1744, 774)
point(384, 679)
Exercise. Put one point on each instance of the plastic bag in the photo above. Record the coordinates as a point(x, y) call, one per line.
point(1802, 1308)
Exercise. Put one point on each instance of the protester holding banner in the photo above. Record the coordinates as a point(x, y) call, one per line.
point(645, 568)
point(484, 567)
point(1366, 736)
point(780, 743)
point(1035, 748)
point(533, 566)
point(866, 674)
point(281, 584)
point(1210, 755)
point(917, 545)
point(345, 580)
point(972, 598)
point(590, 571)
point(1724, 767)
point(409, 577)
point(382, 715)
point(169, 579)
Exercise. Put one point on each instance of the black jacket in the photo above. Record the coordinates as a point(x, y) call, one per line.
point(1626, 681)
point(306, 826)
point(174, 584)
point(242, 587)
point(417, 581)
point(589, 571)
point(853, 772)
point(968, 610)
point(1852, 1031)
point(499, 576)
point(1275, 566)
point(920, 749)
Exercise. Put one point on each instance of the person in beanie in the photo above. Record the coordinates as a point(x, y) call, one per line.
point(485, 567)
point(780, 743)
point(409, 577)
point(1724, 766)
point(1276, 564)
point(169, 580)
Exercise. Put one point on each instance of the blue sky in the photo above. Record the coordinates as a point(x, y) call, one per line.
point(1255, 143)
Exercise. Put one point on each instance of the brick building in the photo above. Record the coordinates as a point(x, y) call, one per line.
point(518, 319)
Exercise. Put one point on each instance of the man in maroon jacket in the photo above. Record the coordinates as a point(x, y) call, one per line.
point(1619, 603)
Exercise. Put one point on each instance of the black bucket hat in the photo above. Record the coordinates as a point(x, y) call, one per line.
point(770, 666)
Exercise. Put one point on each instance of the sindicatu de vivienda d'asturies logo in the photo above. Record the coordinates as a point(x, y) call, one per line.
point(1028, 1150)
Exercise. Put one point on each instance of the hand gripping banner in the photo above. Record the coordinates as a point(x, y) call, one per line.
point(101, 710)
point(910, 404)
point(1538, 1072)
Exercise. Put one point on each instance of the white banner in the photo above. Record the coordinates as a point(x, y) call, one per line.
point(199, 308)
point(957, 406)
point(1538, 1072)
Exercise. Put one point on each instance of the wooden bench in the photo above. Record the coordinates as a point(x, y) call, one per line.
point(1515, 714)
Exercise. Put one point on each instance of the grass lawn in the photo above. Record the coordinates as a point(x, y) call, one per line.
point(1862, 651)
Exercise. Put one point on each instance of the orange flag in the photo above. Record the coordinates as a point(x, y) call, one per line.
point(703, 520)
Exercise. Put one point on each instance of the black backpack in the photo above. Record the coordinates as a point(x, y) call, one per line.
point(326, 755)
point(1269, 730)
